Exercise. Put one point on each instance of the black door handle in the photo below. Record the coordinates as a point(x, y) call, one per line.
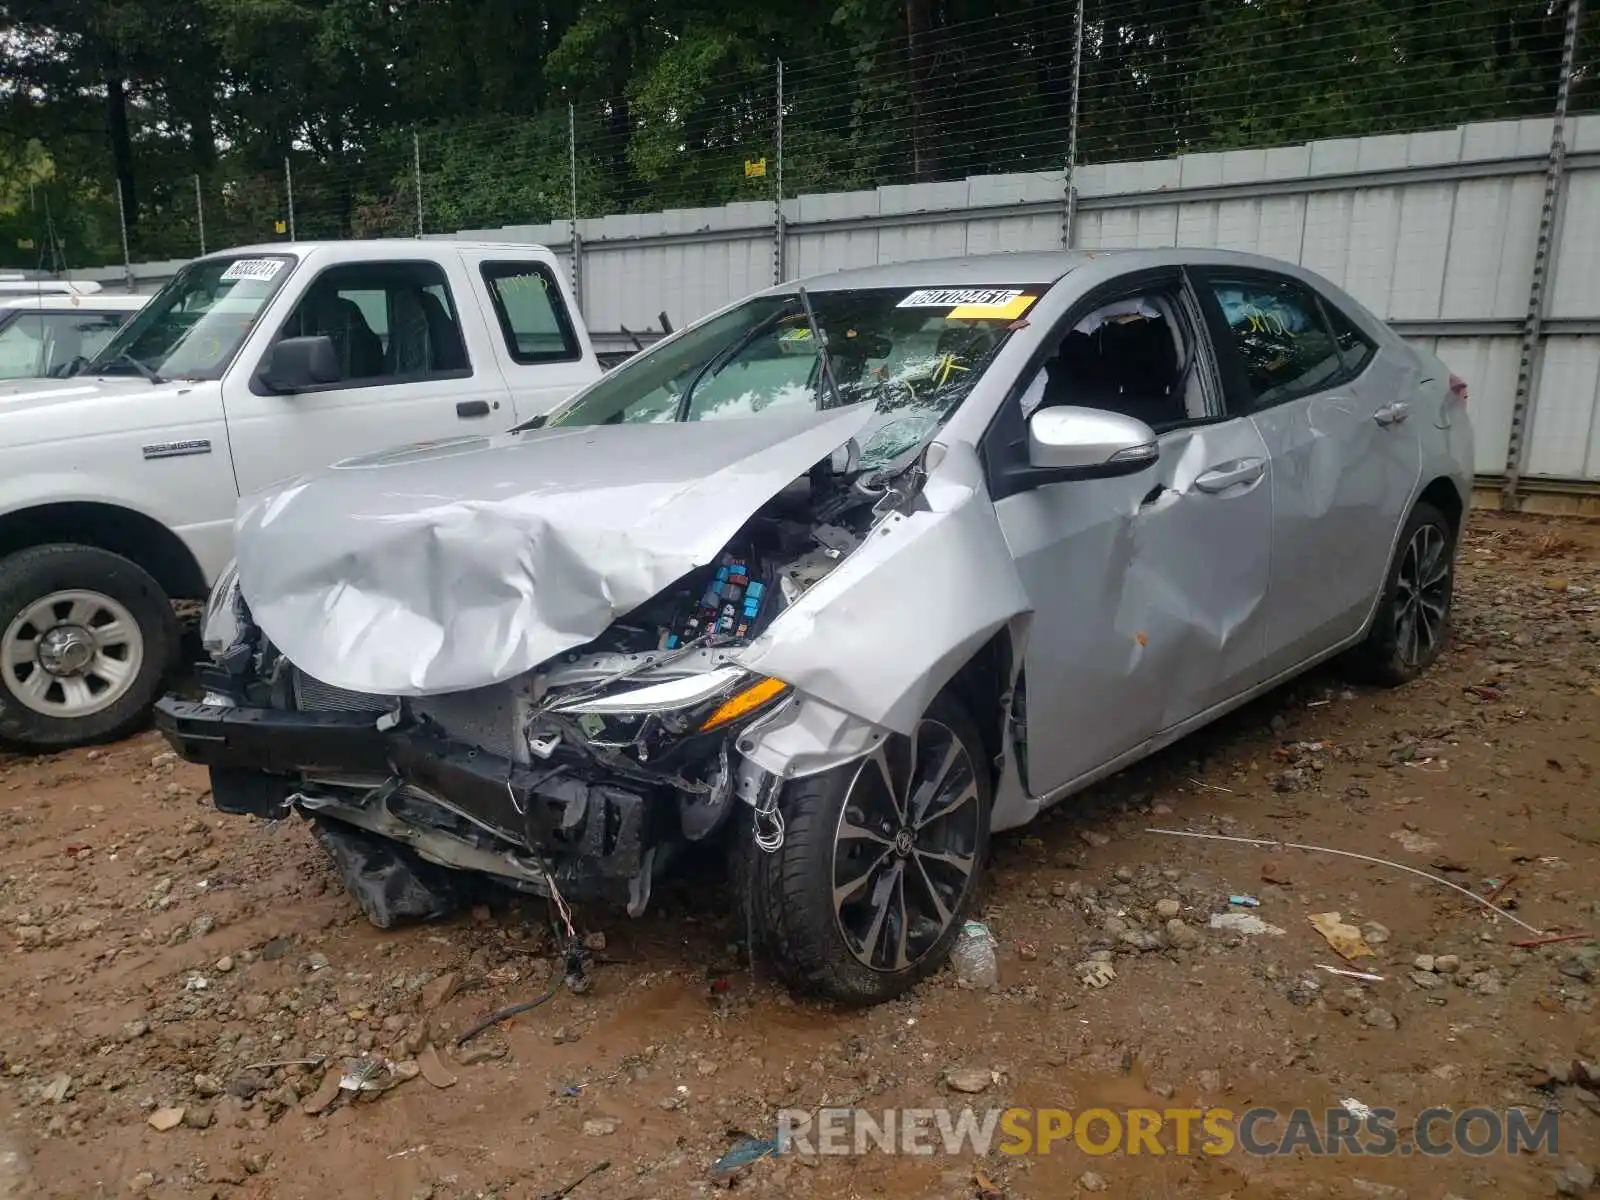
point(472, 408)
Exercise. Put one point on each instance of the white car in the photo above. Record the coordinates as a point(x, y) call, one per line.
point(118, 486)
point(50, 333)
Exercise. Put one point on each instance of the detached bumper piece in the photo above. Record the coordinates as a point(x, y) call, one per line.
point(593, 834)
point(390, 883)
point(267, 739)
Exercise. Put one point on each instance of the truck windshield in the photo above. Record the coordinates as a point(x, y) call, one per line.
point(192, 328)
point(915, 353)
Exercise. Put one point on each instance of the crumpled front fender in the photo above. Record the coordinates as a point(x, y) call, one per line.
point(878, 637)
point(806, 737)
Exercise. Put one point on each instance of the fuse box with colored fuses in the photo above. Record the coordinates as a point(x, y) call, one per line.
point(729, 607)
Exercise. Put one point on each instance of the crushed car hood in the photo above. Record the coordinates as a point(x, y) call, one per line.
point(458, 564)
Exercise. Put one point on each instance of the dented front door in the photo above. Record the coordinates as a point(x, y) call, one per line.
point(1147, 595)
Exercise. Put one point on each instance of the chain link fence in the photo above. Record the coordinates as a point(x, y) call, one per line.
point(1069, 83)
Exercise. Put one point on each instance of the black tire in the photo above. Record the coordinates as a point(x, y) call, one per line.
point(790, 893)
point(1412, 624)
point(30, 576)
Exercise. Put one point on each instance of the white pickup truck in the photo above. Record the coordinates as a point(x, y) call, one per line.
point(118, 486)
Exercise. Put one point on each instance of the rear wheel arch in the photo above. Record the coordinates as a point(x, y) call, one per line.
point(1421, 572)
point(126, 532)
point(1443, 494)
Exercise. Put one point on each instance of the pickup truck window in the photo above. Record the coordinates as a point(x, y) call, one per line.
point(39, 344)
point(389, 322)
point(533, 319)
point(192, 328)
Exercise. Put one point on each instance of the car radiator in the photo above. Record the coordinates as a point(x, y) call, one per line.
point(312, 695)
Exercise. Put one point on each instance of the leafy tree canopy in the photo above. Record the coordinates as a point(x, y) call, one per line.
point(170, 112)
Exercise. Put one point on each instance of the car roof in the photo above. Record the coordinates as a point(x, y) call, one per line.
point(1038, 268)
point(60, 302)
point(371, 248)
point(18, 285)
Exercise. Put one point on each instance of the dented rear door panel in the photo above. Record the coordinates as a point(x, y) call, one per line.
point(1341, 487)
point(1342, 473)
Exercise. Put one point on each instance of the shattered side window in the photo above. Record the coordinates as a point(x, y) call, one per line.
point(1282, 342)
point(1355, 347)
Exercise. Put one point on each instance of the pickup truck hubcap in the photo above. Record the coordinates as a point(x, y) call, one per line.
point(905, 848)
point(71, 654)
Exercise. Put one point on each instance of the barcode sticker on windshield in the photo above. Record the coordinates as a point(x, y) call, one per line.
point(952, 297)
point(254, 268)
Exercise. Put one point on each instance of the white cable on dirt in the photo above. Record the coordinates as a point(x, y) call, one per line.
point(1382, 862)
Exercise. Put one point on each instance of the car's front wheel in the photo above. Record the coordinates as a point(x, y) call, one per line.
point(86, 638)
point(1409, 629)
point(879, 864)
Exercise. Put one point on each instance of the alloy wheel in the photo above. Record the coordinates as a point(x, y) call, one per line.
point(905, 849)
point(1422, 596)
point(71, 654)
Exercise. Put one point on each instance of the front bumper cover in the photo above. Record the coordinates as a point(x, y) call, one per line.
point(259, 757)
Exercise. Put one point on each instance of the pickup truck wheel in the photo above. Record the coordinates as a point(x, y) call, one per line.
point(879, 865)
point(86, 638)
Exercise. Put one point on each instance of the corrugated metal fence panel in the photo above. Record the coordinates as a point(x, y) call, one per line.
point(1564, 440)
point(1575, 285)
point(628, 286)
point(1494, 229)
point(1489, 365)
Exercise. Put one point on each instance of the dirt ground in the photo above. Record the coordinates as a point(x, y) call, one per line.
point(156, 953)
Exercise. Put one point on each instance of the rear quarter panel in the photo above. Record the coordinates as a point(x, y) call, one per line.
point(1445, 427)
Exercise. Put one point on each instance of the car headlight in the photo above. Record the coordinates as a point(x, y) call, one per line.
point(219, 627)
point(724, 696)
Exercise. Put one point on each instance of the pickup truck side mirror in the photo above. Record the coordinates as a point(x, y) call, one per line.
point(299, 364)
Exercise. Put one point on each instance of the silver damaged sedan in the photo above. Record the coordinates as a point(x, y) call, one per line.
point(842, 578)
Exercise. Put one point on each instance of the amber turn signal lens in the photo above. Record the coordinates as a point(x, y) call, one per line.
point(743, 701)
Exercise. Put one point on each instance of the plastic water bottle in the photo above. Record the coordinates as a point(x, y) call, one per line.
point(974, 957)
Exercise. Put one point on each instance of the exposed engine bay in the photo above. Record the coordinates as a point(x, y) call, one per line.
point(587, 772)
point(562, 657)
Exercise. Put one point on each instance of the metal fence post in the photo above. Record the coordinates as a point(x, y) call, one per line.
point(779, 234)
point(577, 242)
point(122, 223)
point(1533, 324)
point(416, 172)
point(200, 211)
point(1069, 214)
point(288, 184)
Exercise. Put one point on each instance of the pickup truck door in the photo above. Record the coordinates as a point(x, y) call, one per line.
point(541, 347)
point(416, 365)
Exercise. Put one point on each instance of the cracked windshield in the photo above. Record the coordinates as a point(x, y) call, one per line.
point(194, 325)
point(914, 354)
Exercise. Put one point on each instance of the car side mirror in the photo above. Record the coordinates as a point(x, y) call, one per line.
point(299, 364)
point(1089, 443)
